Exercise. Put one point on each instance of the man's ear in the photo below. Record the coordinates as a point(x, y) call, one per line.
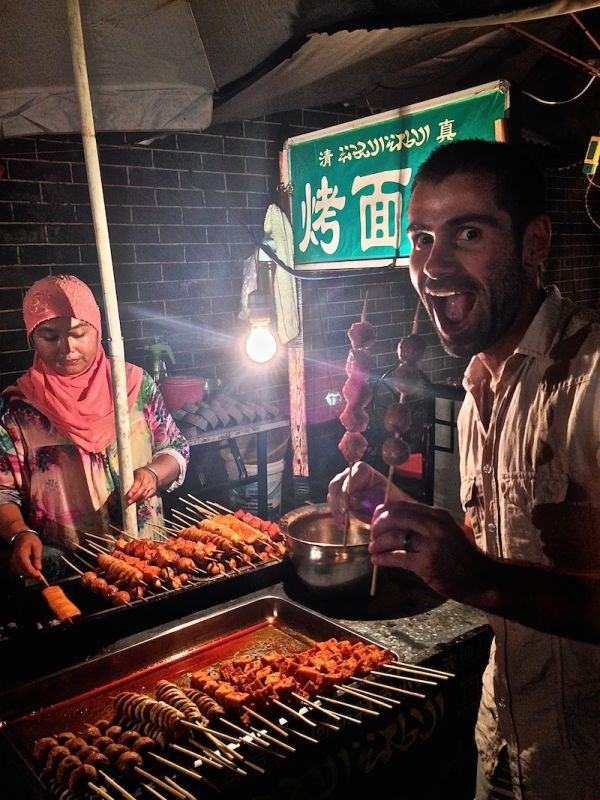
point(536, 241)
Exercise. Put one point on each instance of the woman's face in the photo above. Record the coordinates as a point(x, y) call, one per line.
point(67, 346)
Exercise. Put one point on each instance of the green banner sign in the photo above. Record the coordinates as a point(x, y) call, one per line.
point(349, 183)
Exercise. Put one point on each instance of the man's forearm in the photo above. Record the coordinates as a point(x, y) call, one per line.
point(564, 604)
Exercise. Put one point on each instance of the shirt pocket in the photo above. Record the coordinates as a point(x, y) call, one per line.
point(471, 498)
point(534, 506)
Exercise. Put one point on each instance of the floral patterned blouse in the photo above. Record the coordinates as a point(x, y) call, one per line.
point(63, 490)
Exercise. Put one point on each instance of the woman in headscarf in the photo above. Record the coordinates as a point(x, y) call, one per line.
point(59, 474)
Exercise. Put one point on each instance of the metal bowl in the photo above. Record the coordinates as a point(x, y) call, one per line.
point(318, 557)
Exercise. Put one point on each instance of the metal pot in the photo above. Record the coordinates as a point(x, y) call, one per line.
point(318, 557)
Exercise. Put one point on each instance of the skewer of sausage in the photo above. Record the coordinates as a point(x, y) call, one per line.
point(407, 377)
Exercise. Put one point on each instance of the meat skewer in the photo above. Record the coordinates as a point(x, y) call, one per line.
point(357, 393)
point(395, 450)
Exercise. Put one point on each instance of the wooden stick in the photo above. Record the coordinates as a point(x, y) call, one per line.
point(102, 792)
point(304, 736)
point(588, 67)
point(368, 696)
point(438, 673)
point(196, 754)
point(184, 771)
point(112, 539)
point(309, 703)
point(85, 550)
point(415, 322)
point(122, 533)
point(100, 549)
point(402, 677)
point(295, 713)
point(251, 739)
point(160, 782)
point(353, 707)
point(385, 499)
point(44, 581)
point(269, 738)
point(66, 560)
point(395, 689)
point(116, 785)
point(264, 720)
point(216, 505)
point(224, 762)
point(593, 40)
point(363, 314)
point(185, 793)
point(155, 793)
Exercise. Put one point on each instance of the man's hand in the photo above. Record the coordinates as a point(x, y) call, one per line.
point(427, 541)
point(359, 490)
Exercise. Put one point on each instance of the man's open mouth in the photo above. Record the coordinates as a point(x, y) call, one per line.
point(452, 308)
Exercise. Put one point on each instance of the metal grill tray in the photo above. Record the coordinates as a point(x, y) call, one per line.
point(32, 647)
point(67, 699)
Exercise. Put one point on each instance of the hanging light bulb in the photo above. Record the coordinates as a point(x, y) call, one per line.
point(260, 344)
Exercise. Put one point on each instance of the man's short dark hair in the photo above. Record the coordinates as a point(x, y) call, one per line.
point(519, 185)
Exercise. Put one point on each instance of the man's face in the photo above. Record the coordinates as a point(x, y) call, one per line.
point(65, 345)
point(464, 262)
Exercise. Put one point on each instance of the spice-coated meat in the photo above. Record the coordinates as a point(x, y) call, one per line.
point(358, 364)
point(362, 335)
point(357, 392)
point(397, 418)
point(171, 693)
point(352, 446)
point(207, 704)
point(394, 451)
point(354, 419)
point(411, 349)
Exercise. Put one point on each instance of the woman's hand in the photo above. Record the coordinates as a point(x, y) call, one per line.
point(427, 541)
point(145, 485)
point(26, 556)
point(359, 490)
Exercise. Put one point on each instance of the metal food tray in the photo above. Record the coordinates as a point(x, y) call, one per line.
point(67, 699)
point(100, 625)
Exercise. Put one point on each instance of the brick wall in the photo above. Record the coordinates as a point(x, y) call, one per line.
point(175, 208)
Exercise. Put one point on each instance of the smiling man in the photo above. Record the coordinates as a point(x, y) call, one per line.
point(529, 437)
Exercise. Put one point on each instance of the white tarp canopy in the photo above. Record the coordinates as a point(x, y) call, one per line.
point(161, 65)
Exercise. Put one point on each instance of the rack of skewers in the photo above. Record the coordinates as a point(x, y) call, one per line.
point(119, 585)
point(214, 730)
point(204, 542)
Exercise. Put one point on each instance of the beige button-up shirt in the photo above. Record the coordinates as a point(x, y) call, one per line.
point(531, 485)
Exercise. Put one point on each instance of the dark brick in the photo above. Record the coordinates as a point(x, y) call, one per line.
point(199, 143)
point(117, 215)
point(159, 252)
point(128, 196)
point(245, 147)
point(185, 271)
point(6, 214)
point(128, 156)
point(228, 233)
point(162, 214)
point(13, 275)
point(134, 233)
point(167, 290)
point(14, 340)
point(225, 200)
point(49, 254)
point(59, 193)
point(19, 191)
point(262, 130)
point(8, 254)
point(23, 148)
point(153, 177)
point(207, 252)
point(174, 160)
point(121, 253)
point(39, 171)
point(111, 176)
point(227, 129)
point(245, 183)
point(184, 234)
point(60, 150)
point(178, 197)
point(204, 216)
point(17, 233)
point(141, 311)
point(262, 166)
point(138, 272)
point(223, 163)
point(202, 180)
point(70, 234)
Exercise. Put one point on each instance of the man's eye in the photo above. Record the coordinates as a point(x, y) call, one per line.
point(422, 239)
point(468, 234)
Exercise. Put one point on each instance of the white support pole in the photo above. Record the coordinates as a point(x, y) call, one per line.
point(115, 340)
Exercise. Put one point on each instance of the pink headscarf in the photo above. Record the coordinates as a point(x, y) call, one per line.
point(79, 406)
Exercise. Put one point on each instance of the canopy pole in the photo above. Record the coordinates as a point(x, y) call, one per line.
point(116, 350)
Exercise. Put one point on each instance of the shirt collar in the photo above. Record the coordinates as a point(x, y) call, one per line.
point(536, 342)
